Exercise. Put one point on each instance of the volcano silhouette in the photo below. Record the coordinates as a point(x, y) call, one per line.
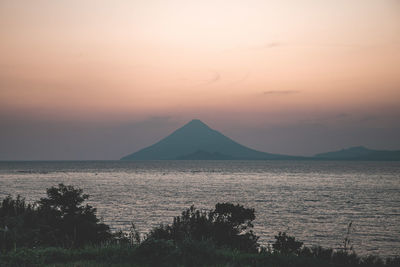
point(196, 141)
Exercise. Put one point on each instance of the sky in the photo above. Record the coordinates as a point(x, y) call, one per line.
point(100, 79)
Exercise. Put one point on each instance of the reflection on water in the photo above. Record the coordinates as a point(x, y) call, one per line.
point(313, 201)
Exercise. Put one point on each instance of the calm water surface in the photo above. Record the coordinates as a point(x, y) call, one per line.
point(314, 201)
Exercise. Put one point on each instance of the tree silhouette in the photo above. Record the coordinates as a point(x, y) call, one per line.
point(70, 221)
point(286, 244)
point(60, 219)
point(228, 225)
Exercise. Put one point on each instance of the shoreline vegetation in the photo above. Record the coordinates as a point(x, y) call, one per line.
point(59, 230)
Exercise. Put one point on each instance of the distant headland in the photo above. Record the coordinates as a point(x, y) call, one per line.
point(197, 141)
point(360, 153)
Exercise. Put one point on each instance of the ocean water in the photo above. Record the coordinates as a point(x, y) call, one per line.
point(312, 200)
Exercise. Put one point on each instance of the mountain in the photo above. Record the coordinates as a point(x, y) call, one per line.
point(360, 153)
point(196, 140)
point(204, 155)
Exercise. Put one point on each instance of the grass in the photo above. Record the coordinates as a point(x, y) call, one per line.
point(164, 253)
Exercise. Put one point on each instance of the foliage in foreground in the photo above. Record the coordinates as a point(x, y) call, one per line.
point(59, 220)
point(227, 225)
point(189, 253)
point(60, 231)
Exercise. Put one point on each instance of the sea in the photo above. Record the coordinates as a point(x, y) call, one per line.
point(312, 200)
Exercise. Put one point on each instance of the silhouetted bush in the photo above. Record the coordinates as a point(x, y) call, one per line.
point(228, 225)
point(286, 244)
point(60, 219)
point(19, 224)
point(68, 220)
point(156, 252)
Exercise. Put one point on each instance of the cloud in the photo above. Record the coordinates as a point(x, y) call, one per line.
point(271, 45)
point(242, 79)
point(216, 77)
point(267, 46)
point(281, 92)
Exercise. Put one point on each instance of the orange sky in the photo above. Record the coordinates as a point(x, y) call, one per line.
point(247, 62)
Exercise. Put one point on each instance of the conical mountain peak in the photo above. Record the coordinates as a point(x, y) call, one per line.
point(195, 140)
point(196, 123)
point(193, 131)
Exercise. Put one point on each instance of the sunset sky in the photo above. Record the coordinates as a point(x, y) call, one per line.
point(100, 79)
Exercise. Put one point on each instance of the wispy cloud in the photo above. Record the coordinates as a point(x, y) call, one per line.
point(216, 77)
point(267, 45)
point(240, 80)
point(271, 45)
point(281, 92)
